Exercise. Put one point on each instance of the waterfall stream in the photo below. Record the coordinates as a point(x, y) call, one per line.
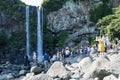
point(27, 32)
point(39, 35)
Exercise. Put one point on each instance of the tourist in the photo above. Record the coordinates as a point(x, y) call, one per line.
point(101, 47)
point(58, 55)
point(46, 59)
point(54, 58)
point(63, 53)
point(85, 51)
point(72, 52)
point(26, 61)
point(116, 41)
point(92, 50)
point(34, 57)
point(97, 42)
point(67, 52)
point(81, 50)
point(107, 43)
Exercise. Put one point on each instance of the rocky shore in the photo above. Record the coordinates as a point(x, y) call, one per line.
point(91, 67)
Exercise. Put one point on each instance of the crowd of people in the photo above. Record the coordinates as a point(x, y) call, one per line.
point(102, 45)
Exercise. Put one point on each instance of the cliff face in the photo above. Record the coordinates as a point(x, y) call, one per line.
point(74, 19)
point(9, 24)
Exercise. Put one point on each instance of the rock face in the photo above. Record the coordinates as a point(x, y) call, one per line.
point(9, 25)
point(72, 18)
point(58, 70)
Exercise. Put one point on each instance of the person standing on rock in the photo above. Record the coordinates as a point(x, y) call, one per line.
point(46, 60)
point(26, 61)
point(116, 41)
point(63, 53)
point(101, 47)
point(34, 57)
point(97, 42)
point(107, 43)
point(67, 52)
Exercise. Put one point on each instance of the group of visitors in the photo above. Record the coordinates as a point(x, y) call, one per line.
point(102, 46)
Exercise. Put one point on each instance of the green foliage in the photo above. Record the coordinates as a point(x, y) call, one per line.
point(11, 8)
point(110, 24)
point(105, 1)
point(61, 36)
point(99, 12)
point(53, 5)
point(3, 39)
point(92, 40)
point(17, 40)
point(48, 39)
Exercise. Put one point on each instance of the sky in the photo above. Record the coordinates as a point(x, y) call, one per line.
point(33, 2)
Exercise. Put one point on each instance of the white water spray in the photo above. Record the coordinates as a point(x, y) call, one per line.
point(39, 35)
point(38, 4)
point(27, 32)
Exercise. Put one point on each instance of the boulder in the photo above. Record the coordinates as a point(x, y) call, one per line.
point(75, 65)
point(99, 68)
point(69, 67)
point(114, 67)
point(110, 77)
point(6, 76)
point(28, 76)
point(22, 72)
point(85, 64)
point(57, 69)
point(119, 77)
point(114, 57)
point(73, 79)
point(41, 77)
point(73, 59)
point(114, 64)
point(35, 69)
point(76, 76)
point(38, 77)
point(76, 70)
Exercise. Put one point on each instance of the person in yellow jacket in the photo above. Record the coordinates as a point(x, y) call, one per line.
point(101, 46)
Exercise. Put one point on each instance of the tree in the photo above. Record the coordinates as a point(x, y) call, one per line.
point(101, 11)
point(110, 24)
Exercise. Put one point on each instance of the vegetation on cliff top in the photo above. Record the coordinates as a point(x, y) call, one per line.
point(110, 25)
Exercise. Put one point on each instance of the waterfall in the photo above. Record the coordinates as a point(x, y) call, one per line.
point(27, 32)
point(39, 35)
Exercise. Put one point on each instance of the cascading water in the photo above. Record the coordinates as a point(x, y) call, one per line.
point(39, 35)
point(38, 4)
point(27, 32)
